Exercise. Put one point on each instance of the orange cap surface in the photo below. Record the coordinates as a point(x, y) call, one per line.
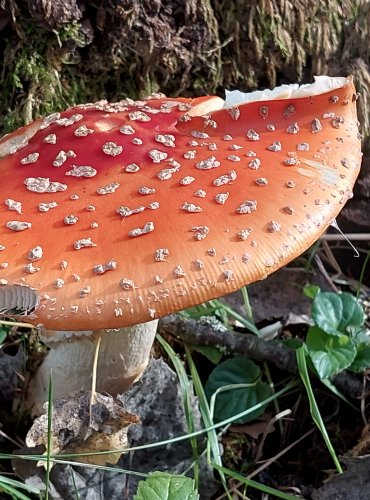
point(115, 214)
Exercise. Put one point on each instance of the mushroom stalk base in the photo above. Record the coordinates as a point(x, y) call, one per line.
point(123, 356)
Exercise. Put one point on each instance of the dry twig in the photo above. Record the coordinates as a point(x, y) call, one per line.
point(209, 331)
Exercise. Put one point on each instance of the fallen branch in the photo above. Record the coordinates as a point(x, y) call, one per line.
point(209, 331)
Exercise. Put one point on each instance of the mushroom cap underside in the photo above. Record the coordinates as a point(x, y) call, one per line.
point(115, 214)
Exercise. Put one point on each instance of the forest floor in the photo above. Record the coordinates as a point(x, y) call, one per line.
point(282, 445)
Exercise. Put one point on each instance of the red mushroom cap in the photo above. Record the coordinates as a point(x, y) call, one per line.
point(115, 214)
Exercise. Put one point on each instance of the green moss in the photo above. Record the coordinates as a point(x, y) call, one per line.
point(35, 79)
point(71, 31)
point(272, 33)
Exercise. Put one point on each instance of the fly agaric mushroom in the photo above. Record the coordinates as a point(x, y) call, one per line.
point(113, 215)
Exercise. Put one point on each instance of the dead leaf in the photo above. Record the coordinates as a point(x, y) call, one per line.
point(76, 429)
point(363, 446)
point(253, 430)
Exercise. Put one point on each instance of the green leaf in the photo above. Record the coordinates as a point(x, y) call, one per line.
point(163, 486)
point(311, 291)
point(196, 312)
point(293, 343)
point(362, 359)
point(329, 354)
point(334, 312)
point(3, 335)
point(360, 336)
point(213, 354)
point(231, 400)
point(353, 313)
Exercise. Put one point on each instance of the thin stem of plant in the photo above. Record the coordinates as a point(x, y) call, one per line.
point(365, 378)
point(268, 428)
point(350, 236)
point(273, 459)
point(272, 387)
point(247, 304)
point(16, 323)
point(325, 274)
point(94, 370)
point(268, 462)
point(331, 259)
point(17, 443)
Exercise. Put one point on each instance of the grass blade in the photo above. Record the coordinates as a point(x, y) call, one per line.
point(7, 482)
point(214, 447)
point(314, 409)
point(187, 391)
point(13, 492)
point(230, 311)
point(48, 448)
point(254, 484)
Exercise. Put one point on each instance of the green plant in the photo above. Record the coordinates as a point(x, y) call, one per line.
point(187, 395)
point(3, 333)
point(338, 339)
point(253, 406)
point(13, 488)
point(162, 485)
point(314, 409)
point(235, 393)
point(235, 385)
point(256, 485)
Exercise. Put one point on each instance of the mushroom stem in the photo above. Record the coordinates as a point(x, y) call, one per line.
point(123, 356)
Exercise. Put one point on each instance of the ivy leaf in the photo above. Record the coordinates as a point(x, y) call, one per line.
point(360, 336)
point(230, 402)
point(362, 359)
point(311, 291)
point(293, 343)
point(329, 354)
point(163, 486)
point(213, 354)
point(3, 335)
point(335, 313)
